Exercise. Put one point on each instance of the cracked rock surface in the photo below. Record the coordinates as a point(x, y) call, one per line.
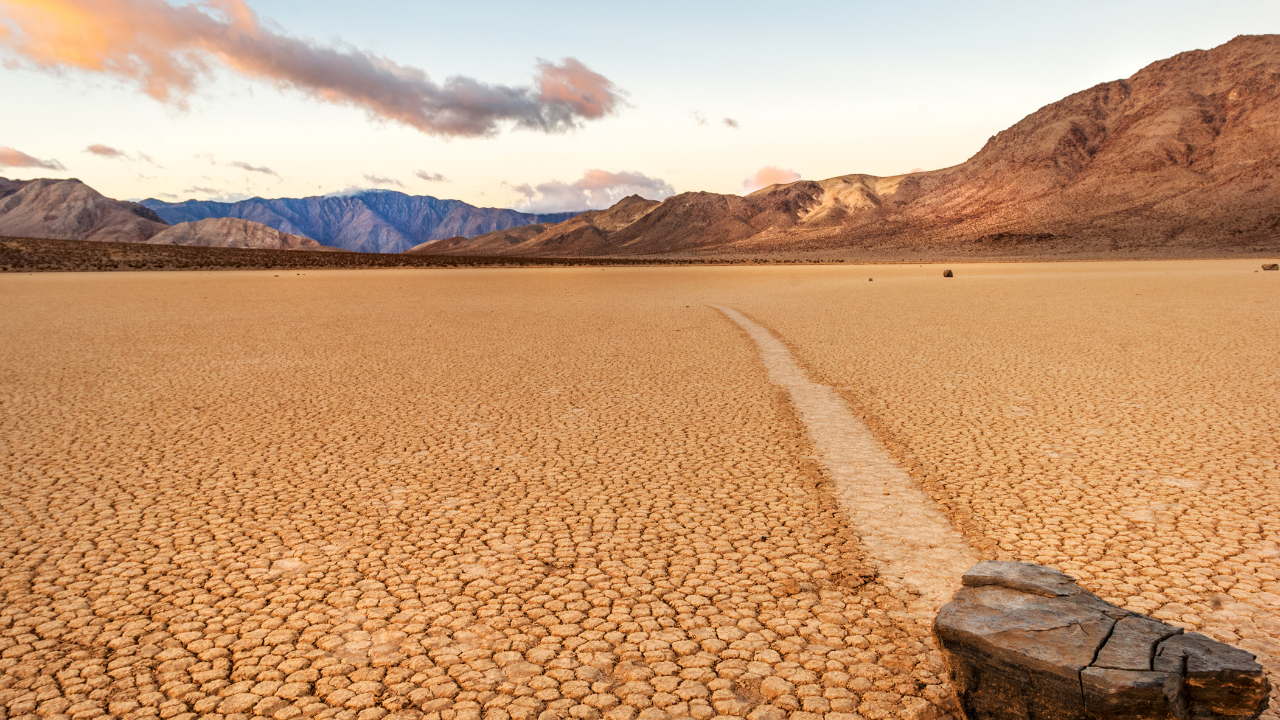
point(1025, 641)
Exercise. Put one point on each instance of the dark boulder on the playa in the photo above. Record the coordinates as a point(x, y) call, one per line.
point(1271, 266)
point(1025, 641)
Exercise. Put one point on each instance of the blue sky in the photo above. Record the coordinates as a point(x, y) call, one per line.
point(820, 88)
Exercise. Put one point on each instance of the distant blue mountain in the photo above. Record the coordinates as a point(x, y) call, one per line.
point(374, 221)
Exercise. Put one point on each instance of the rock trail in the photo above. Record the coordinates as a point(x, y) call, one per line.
point(899, 525)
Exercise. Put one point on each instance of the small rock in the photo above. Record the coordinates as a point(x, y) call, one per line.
point(1024, 641)
point(1271, 266)
point(947, 273)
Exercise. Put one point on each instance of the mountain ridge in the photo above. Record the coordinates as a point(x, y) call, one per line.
point(233, 233)
point(71, 210)
point(579, 230)
point(1185, 153)
point(371, 221)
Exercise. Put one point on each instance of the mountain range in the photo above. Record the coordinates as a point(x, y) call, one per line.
point(71, 210)
point(371, 221)
point(1182, 157)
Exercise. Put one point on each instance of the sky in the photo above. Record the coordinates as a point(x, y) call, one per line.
point(547, 107)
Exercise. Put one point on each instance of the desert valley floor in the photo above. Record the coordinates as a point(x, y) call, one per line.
point(576, 492)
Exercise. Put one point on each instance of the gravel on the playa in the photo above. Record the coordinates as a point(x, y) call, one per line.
point(574, 492)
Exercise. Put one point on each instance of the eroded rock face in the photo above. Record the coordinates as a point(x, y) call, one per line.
point(1025, 641)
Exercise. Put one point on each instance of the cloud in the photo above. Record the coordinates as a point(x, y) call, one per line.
point(596, 189)
point(252, 168)
point(701, 119)
point(106, 151)
point(217, 195)
point(110, 153)
point(167, 51)
point(353, 190)
point(16, 158)
point(431, 177)
point(379, 180)
point(575, 88)
point(769, 175)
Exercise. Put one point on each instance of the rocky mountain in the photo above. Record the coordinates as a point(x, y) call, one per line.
point(1184, 155)
point(233, 233)
point(583, 232)
point(372, 221)
point(71, 210)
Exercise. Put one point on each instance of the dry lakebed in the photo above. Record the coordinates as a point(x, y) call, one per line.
point(620, 492)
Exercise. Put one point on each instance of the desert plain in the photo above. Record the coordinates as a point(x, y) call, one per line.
point(576, 492)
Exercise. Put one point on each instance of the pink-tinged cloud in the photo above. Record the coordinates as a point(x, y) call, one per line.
point(168, 50)
point(253, 168)
point(596, 189)
point(430, 176)
point(10, 157)
point(770, 175)
point(106, 151)
point(730, 122)
point(380, 180)
point(575, 89)
point(110, 153)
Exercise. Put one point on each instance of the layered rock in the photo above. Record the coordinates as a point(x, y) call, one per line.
point(1024, 641)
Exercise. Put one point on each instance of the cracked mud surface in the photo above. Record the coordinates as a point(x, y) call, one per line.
point(1118, 421)
point(902, 530)
point(575, 493)
point(497, 494)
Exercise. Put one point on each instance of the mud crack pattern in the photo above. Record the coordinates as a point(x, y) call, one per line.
point(451, 495)
point(902, 529)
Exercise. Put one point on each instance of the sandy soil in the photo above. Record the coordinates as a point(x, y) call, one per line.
point(574, 492)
